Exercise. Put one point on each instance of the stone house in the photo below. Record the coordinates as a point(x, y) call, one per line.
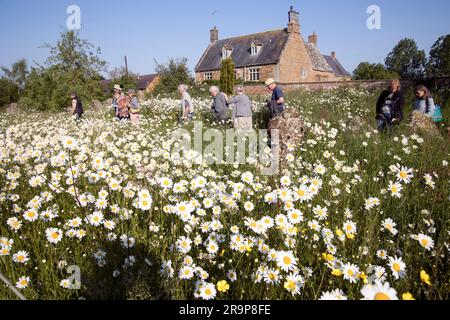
point(145, 83)
point(279, 54)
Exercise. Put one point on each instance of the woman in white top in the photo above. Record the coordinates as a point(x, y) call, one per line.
point(187, 107)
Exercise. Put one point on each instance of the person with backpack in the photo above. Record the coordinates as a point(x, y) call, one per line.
point(77, 106)
point(134, 107)
point(390, 106)
point(424, 101)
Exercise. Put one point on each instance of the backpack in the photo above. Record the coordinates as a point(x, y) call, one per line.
point(437, 115)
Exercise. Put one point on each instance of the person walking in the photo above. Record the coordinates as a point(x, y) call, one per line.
point(135, 107)
point(390, 104)
point(220, 105)
point(242, 112)
point(77, 106)
point(187, 107)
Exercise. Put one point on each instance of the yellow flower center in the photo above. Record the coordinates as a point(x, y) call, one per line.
point(287, 260)
point(396, 267)
point(381, 296)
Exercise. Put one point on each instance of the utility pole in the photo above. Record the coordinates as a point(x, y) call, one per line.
point(126, 66)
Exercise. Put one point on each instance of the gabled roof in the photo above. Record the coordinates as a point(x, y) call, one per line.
point(142, 83)
point(272, 43)
point(318, 61)
point(337, 67)
point(145, 80)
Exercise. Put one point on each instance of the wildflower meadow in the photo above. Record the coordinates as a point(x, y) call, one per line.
point(101, 209)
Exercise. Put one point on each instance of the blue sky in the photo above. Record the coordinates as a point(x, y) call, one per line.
point(148, 30)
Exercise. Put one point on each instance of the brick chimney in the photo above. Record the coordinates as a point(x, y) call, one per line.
point(214, 35)
point(294, 24)
point(313, 39)
point(333, 55)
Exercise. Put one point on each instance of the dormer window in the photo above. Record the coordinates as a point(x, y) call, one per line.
point(255, 48)
point(226, 52)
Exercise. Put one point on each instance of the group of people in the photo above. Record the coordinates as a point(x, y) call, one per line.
point(126, 106)
point(389, 110)
point(242, 115)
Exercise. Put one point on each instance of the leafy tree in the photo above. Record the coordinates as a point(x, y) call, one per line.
point(17, 74)
point(406, 60)
point(227, 78)
point(9, 92)
point(373, 71)
point(73, 65)
point(439, 61)
point(172, 74)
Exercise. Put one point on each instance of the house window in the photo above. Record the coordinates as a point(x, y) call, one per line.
point(255, 48)
point(208, 76)
point(254, 74)
point(226, 52)
point(303, 72)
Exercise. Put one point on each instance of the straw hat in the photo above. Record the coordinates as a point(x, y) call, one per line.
point(117, 87)
point(269, 81)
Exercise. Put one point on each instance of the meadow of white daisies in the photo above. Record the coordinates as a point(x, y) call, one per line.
point(350, 215)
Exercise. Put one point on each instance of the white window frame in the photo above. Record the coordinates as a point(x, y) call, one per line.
point(207, 76)
point(255, 49)
point(303, 72)
point(254, 74)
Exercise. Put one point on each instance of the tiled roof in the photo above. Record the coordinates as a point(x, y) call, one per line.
point(142, 83)
point(272, 42)
point(145, 80)
point(318, 61)
point(337, 67)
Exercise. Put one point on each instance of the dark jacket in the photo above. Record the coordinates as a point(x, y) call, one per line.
point(398, 101)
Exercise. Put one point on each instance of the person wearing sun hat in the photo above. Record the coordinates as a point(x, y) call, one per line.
point(276, 105)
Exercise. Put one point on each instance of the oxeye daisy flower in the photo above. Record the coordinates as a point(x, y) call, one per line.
point(404, 175)
point(395, 189)
point(21, 257)
point(54, 235)
point(207, 291)
point(350, 272)
point(425, 241)
point(286, 261)
point(378, 291)
point(337, 294)
point(390, 225)
point(186, 273)
point(22, 282)
point(398, 267)
point(293, 284)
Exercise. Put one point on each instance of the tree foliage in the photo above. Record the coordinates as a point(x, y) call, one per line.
point(373, 71)
point(73, 65)
point(17, 74)
point(172, 74)
point(406, 60)
point(439, 61)
point(9, 92)
point(227, 78)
